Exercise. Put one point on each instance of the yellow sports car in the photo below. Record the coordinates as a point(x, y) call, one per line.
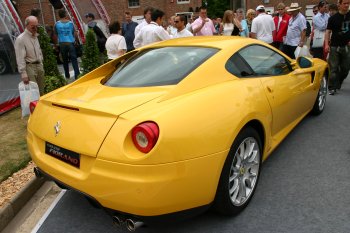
point(178, 125)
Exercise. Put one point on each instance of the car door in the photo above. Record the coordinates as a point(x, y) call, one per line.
point(285, 89)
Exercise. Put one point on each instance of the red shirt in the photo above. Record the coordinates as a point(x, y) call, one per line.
point(282, 30)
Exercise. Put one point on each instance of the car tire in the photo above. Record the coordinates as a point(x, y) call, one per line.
point(3, 66)
point(321, 96)
point(240, 174)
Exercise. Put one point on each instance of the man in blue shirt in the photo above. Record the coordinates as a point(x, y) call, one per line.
point(65, 31)
point(320, 21)
point(128, 31)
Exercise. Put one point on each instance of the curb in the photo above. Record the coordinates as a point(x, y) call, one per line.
point(9, 211)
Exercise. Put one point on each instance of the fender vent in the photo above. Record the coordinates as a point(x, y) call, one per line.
point(312, 76)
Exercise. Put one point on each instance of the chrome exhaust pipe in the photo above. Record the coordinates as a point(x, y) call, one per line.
point(37, 173)
point(117, 221)
point(132, 225)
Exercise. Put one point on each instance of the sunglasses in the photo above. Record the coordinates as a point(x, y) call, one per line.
point(281, 9)
point(176, 21)
point(315, 11)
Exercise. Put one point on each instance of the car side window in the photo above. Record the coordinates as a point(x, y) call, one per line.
point(264, 61)
point(238, 67)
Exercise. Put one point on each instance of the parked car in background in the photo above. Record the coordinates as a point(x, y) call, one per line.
point(7, 55)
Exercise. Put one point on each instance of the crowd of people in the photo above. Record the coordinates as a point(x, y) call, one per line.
point(285, 29)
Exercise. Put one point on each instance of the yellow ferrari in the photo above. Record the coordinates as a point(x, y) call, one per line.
point(176, 126)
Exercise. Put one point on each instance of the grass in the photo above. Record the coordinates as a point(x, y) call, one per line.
point(13, 146)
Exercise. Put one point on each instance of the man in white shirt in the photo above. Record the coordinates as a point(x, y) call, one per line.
point(146, 19)
point(171, 26)
point(263, 26)
point(152, 32)
point(180, 21)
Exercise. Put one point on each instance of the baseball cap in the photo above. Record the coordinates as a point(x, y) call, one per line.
point(260, 7)
point(90, 15)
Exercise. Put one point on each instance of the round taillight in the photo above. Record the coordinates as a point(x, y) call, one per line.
point(145, 136)
point(32, 106)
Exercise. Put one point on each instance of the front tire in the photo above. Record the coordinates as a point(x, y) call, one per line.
point(240, 173)
point(321, 96)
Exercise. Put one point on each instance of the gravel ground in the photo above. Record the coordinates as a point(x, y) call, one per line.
point(10, 187)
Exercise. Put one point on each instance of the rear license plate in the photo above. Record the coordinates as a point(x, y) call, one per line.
point(62, 154)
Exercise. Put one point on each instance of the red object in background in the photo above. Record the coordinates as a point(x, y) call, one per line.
point(10, 104)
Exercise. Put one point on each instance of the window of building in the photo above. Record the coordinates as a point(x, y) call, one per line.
point(134, 3)
point(183, 1)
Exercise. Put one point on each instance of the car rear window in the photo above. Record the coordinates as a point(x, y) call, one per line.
point(159, 66)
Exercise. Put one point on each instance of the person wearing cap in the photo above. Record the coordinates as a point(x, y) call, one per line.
point(339, 48)
point(263, 26)
point(281, 23)
point(296, 33)
point(100, 36)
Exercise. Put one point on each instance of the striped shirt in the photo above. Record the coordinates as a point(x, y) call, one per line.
point(295, 26)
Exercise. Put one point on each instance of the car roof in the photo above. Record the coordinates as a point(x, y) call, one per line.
point(219, 42)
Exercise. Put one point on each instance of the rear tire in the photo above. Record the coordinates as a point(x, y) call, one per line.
point(240, 174)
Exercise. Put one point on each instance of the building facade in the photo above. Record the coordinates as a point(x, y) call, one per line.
point(115, 8)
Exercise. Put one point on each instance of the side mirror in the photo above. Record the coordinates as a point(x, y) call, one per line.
point(304, 62)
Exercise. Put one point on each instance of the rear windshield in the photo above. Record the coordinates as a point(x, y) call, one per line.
point(159, 66)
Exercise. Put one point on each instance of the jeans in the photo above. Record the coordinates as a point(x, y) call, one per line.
point(339, 65)
point(68, 52)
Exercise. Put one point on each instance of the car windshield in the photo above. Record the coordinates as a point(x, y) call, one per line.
point(159, 66)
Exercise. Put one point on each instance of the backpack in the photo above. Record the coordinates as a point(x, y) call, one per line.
point(101, 38)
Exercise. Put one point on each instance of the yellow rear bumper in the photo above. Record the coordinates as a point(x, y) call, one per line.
point(144, 190)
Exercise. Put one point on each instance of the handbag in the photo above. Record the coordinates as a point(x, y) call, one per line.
point(28, 93)
point(318, 39)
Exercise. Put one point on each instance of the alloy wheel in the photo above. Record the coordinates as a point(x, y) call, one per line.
point(244, 171)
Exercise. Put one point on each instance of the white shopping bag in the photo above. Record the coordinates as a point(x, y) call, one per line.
point(28, 93)
point(302, 51)
point(318, 40)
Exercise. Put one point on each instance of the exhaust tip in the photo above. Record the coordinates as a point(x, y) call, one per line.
point(37, 173)
point(132, 225)
point(117, 221)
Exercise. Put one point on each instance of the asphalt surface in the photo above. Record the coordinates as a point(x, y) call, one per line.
point(304, 187)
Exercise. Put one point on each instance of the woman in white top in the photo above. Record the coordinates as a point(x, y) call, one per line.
point(230, 25)
point(115, 44)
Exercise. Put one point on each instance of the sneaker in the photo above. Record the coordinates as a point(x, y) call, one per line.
point(331, 92)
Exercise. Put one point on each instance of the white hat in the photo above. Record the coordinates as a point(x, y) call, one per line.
point(293, 7)
point(260, 7)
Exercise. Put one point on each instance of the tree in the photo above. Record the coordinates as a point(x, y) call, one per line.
point(91, 55)
point(53, 78)
point(216, 8)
